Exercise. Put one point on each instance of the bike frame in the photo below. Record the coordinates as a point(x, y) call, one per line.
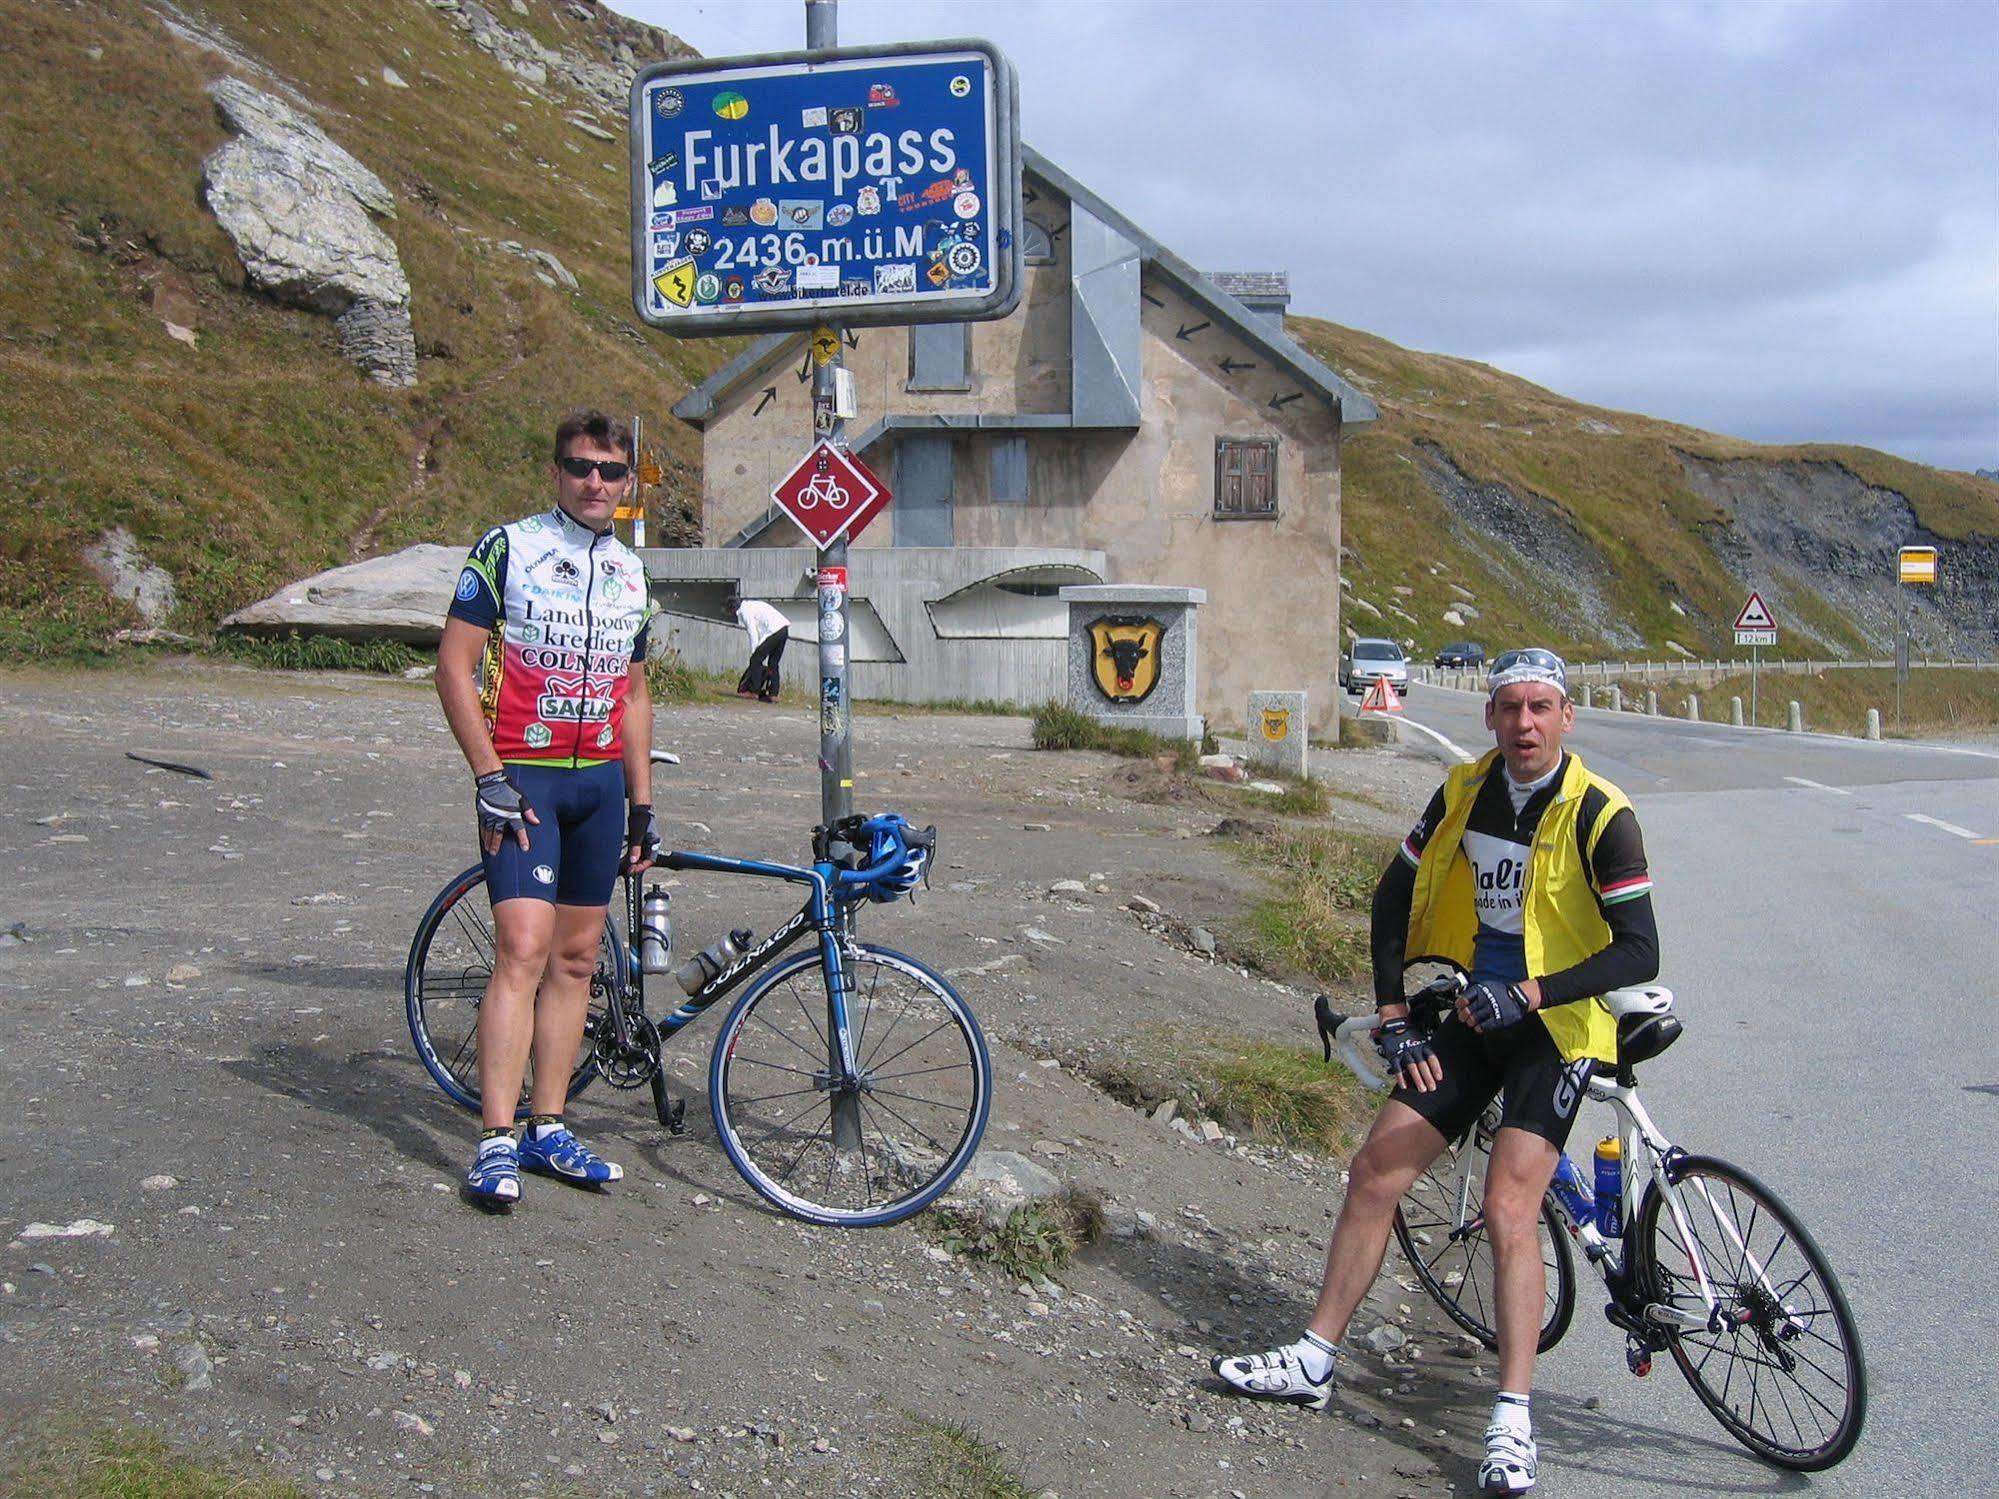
point(1612, 1261)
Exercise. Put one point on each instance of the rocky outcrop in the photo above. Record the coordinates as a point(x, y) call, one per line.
point(399, 597)
point(1526, 535)
point(604, 81)
point(1792, 529)
point(116, 559)
point(297, 207)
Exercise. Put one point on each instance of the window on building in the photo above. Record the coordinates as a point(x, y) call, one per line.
point(1245, 478)
point(1036, 248)
point(1008, 480)
point(939, 356)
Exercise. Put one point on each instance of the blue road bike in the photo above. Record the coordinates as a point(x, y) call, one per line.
point(850, 1084)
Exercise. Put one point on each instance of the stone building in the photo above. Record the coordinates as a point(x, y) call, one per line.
point(1132, 421)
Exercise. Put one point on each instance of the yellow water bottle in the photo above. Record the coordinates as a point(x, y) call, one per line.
point(1610, 1187)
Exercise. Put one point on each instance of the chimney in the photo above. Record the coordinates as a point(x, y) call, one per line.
point(1265, 293)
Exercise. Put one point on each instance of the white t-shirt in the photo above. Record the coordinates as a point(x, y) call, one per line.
point(760, 620)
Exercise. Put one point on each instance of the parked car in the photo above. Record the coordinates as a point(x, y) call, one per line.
point(1461, 655)
point(1371, 659)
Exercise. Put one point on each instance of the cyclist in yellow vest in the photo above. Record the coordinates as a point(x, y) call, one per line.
point(1528, 872)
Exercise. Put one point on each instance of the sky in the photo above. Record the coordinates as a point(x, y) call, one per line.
point(1775, 219)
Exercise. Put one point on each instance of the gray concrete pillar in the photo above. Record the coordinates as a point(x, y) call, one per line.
point(1589, 696)
point(1797, 718)
point(1652, 702)
point(1277, 731)
point(1693, 707)
point(1616, 697)
point(1735, 711)
point(1873, 723)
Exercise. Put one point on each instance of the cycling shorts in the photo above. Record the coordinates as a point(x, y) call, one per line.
point(1542, 1092)
point(573, 853)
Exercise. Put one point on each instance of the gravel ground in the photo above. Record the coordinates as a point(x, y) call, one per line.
point(203, 1035)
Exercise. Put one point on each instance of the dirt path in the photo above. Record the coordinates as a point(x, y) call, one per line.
point(205, 985)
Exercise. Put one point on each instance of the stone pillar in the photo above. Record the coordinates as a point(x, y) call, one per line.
point(1693, 707)
point(1616, 697)
point(1652, 701)
point(1278, 737)
point(1735, 711)
point(1797, 719)
point(1589, 696)
point(1133, 656)
point(1873, 723)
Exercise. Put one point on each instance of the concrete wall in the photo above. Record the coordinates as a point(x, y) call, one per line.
point(926, 624)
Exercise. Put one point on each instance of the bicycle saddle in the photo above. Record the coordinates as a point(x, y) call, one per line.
point(1646, 1025)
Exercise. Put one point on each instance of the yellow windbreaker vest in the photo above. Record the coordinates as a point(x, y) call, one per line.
point(1562, 921)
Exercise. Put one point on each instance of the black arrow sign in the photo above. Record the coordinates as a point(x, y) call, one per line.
point(1230, 366)
point(1029, 195)
point(1058, 231)
point(1280, 402)
point(805, 369)
point(1151, 298)
point(770, 394)
point(853, 339)
point(1187, 331)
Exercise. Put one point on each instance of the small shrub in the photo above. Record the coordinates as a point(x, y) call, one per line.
point(1057, 726)
point(964, 1465)
point(1315, 919)
point(297, 652)
point(1031, 1243)
point(1307, 798)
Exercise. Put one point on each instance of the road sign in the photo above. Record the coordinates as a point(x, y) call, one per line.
point(830, 494)
point(1917, 565)
point(1381, 698)
point(1755, 637)
point(1756, 616)
point(867, 185)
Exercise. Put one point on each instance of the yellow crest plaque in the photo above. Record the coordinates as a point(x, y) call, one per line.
point(1124, 656)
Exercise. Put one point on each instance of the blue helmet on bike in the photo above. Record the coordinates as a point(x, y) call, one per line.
point(891, 841)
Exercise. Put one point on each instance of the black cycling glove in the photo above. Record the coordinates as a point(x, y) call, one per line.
point(502, 808)
point(1401, 1046)
point(640, 831)
point(1493, 1005)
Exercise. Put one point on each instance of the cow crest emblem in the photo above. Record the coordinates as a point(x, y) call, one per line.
point(1124, 656)
point(1276, 724)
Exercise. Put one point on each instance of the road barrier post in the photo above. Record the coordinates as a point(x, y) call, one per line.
point(1693, 708)
point(1616, 697)
point(1873, 723)
point(1797, 717)
point(1652, 702)
point(1735, 711)
point(1589, 696)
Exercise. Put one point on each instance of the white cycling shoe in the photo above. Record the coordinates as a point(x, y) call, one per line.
point(1276, 1375)
point(1510, 1463)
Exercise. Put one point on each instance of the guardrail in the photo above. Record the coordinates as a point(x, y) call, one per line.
point(1704, 671)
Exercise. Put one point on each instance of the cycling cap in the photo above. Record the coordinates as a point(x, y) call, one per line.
point(1530, 665)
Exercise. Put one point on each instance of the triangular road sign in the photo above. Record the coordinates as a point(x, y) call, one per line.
point(1755, 615)
point(1381, 698)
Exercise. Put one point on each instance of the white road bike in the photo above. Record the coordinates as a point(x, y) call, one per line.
point(1704, 1263)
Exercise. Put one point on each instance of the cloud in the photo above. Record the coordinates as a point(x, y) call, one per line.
point(1773, 219)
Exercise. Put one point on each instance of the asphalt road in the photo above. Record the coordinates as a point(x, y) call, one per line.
point(1826, 912)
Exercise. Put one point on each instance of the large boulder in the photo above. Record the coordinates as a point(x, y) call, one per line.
point(297, 207)
point(399, 597)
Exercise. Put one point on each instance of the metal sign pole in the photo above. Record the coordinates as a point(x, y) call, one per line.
point(836, 710)
point(1752, 686)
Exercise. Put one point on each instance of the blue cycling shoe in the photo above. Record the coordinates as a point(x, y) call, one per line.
point(559, 1153)
point(495, 1177)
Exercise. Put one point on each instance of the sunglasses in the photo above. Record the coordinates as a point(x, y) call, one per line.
point(608, 469)
point(1532, 656)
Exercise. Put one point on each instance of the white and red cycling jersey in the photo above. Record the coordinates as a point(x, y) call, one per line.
point(566, 611)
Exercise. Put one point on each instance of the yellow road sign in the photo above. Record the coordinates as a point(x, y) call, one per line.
point(676, 282)
point(1917, 565)
point(825, 345)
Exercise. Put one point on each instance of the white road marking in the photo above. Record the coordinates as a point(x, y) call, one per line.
point(1420, 728)
point(1818, 786)
point(1937, 822)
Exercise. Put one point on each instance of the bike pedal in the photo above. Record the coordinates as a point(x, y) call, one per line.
point(1638, 1359)
point(676, 1120)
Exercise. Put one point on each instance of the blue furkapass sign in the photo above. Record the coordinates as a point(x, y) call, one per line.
point(859, 186)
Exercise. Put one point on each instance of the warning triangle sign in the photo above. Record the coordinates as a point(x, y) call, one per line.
point(1755, 615)
point(1381, 698)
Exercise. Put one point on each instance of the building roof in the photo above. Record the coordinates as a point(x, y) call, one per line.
point(1217, 301)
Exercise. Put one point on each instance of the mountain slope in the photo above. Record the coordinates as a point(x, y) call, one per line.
point(1585, 527)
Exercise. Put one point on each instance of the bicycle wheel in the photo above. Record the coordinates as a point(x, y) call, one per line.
point(915, 1115)
point(1784, 1372)
point(1440, 1224)
point(451, 958)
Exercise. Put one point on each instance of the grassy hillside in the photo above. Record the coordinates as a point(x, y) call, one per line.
point(260, 455)
point(1617, 476)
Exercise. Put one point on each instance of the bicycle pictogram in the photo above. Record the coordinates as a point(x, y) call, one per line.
point(823, 487)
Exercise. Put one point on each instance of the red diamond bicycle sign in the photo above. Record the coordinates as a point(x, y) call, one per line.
point(830, 494)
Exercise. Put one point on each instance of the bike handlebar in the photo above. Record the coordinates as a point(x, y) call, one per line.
point(1428, 1007)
